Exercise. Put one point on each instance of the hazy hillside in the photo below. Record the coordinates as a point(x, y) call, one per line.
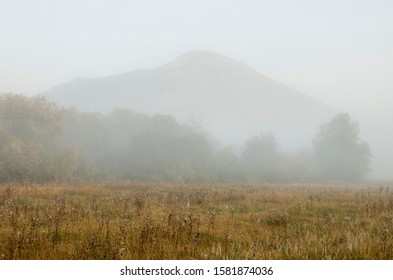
point(226, 97)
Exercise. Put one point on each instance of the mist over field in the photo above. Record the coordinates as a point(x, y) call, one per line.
point(196, 91)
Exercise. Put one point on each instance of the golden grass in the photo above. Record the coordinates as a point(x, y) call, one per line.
point(167, 221)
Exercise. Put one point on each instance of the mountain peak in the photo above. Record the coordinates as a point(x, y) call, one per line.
point(233, 100)
point(206, 58)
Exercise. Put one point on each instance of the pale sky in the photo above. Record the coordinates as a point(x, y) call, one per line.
point(338, 51)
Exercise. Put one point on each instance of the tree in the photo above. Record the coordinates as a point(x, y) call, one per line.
point(262, 158)
point(340, 154)
point(168, 157)
point(228, 167)
point(30, 146)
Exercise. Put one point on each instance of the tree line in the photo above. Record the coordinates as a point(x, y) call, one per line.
point(41, 142)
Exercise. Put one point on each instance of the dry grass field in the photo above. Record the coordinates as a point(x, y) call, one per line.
point(167, 221)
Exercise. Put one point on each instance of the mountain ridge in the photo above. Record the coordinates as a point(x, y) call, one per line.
point(233, 100)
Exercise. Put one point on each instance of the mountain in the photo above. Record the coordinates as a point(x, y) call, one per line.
point(230, 100)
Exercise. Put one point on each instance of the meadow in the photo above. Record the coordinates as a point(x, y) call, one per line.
point(176, 221)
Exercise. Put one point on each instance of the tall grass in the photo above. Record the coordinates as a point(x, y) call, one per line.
point(167, 221)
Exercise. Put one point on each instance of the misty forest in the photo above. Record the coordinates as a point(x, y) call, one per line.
point(41, 143)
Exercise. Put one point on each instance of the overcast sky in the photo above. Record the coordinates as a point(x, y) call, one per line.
point(338, 51)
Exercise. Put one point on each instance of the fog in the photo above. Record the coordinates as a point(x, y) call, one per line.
point(339, 53)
